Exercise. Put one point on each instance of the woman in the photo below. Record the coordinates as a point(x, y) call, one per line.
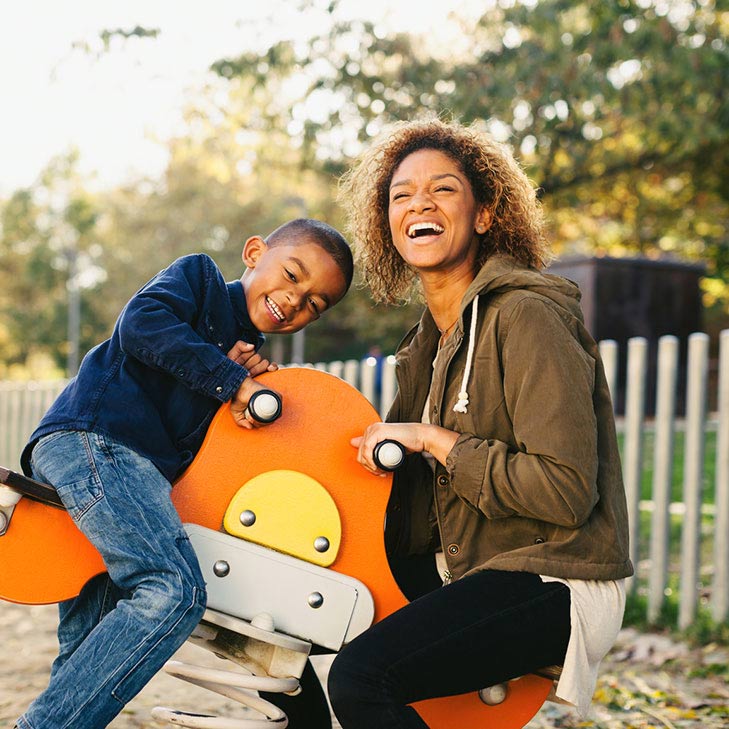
point(514, 479)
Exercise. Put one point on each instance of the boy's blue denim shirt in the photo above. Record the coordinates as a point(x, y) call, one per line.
point(156, 383)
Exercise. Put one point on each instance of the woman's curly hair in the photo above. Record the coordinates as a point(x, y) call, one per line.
point(497, 181)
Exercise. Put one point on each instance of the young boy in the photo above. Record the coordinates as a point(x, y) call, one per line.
point(130, 422)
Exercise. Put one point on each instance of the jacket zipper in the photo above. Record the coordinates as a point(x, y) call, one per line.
point(447, 577)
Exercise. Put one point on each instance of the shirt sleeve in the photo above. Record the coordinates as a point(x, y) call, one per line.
point(548, 383)
point(157, 327)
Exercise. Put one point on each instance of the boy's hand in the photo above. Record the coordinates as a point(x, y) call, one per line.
point(244, 354)
point(239, 404)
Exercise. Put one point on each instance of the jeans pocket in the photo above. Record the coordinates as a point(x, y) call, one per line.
point(66, 461)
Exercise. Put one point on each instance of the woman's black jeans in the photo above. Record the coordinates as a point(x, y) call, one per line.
point(476, 632)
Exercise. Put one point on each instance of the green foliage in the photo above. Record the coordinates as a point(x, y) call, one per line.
point(46, 232)
point(224, 182)
point(109, 35)
point(618, 108)
point(677, 469)
point(703, 631)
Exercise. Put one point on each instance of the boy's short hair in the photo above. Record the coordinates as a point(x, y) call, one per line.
point(307, 230)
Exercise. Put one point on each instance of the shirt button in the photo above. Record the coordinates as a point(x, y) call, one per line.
point(539, 540)
point(220, 344)
point(442, 480)
point(210, 328)
point(181, 373)
point(453, 549)
point(218, 389)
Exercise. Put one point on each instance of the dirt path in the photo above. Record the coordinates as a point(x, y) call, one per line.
point(647, 682)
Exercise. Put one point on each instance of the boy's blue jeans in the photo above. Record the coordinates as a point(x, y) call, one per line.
point(123, 626)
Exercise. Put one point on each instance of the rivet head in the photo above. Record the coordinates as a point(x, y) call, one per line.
point(321, 544)
point(453, 549)
point(315, 600)
point(247, 518)
point(221, 568)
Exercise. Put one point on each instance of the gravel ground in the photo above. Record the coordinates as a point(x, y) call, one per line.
point(648, 681)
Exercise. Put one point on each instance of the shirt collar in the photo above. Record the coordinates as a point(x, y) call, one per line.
point(240, 310)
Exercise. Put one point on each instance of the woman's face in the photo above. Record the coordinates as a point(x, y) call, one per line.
point(434, 217)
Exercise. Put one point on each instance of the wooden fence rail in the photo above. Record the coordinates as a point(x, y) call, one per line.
point(679, 544)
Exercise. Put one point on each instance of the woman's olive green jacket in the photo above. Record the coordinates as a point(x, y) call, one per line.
point(534, 482)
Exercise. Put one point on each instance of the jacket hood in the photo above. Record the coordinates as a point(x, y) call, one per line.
point(503, 273)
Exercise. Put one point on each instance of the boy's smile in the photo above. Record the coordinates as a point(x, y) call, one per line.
point(289, 286)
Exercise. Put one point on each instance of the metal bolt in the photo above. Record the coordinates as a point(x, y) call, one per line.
point(493, 695)
point(247, 518)
point(315, 600)
point(221, 568)
point(321, 544)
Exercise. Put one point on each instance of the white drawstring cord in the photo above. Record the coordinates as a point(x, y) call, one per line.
point(462, 405)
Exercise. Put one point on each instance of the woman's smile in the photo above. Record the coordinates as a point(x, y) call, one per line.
point(433, 213)
point(424, 229)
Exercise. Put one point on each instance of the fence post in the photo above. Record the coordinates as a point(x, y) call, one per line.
point(14, 395)
point(720, 585)
point(336, 368)
point(351, 372)
point(367, 373)
point(5, 425)
point(698, 367)
point(662, 473)
point(609, 356)
point(389, 385)
point(633, 443)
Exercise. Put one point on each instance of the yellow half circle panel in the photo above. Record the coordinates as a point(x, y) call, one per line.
point(287, 511)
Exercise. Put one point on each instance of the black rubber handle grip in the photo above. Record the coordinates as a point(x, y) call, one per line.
point(265, 406)
point(389, 454)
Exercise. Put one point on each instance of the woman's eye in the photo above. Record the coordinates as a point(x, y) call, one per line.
point(444, 188)
point(314, 306)
point(290, 275)
point(399, 195)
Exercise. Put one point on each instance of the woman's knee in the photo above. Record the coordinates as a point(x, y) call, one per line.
point(352, 683)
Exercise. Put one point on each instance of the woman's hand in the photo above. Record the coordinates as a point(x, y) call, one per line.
point(414, 437)
point(244, 354)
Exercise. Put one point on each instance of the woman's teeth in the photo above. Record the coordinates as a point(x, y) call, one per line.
point(418, 229)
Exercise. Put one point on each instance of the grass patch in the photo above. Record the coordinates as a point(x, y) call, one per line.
point(709, 470)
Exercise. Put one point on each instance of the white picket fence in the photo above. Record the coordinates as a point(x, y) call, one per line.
point(701, 524)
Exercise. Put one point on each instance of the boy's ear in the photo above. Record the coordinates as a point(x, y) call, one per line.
point(253, 248)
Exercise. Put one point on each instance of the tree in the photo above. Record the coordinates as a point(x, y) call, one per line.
point(619, 109)
point(48, 246)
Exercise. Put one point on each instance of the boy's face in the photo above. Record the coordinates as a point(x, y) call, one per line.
point(289, 286)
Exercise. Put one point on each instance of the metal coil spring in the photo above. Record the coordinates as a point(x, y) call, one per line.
point(233, 685)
